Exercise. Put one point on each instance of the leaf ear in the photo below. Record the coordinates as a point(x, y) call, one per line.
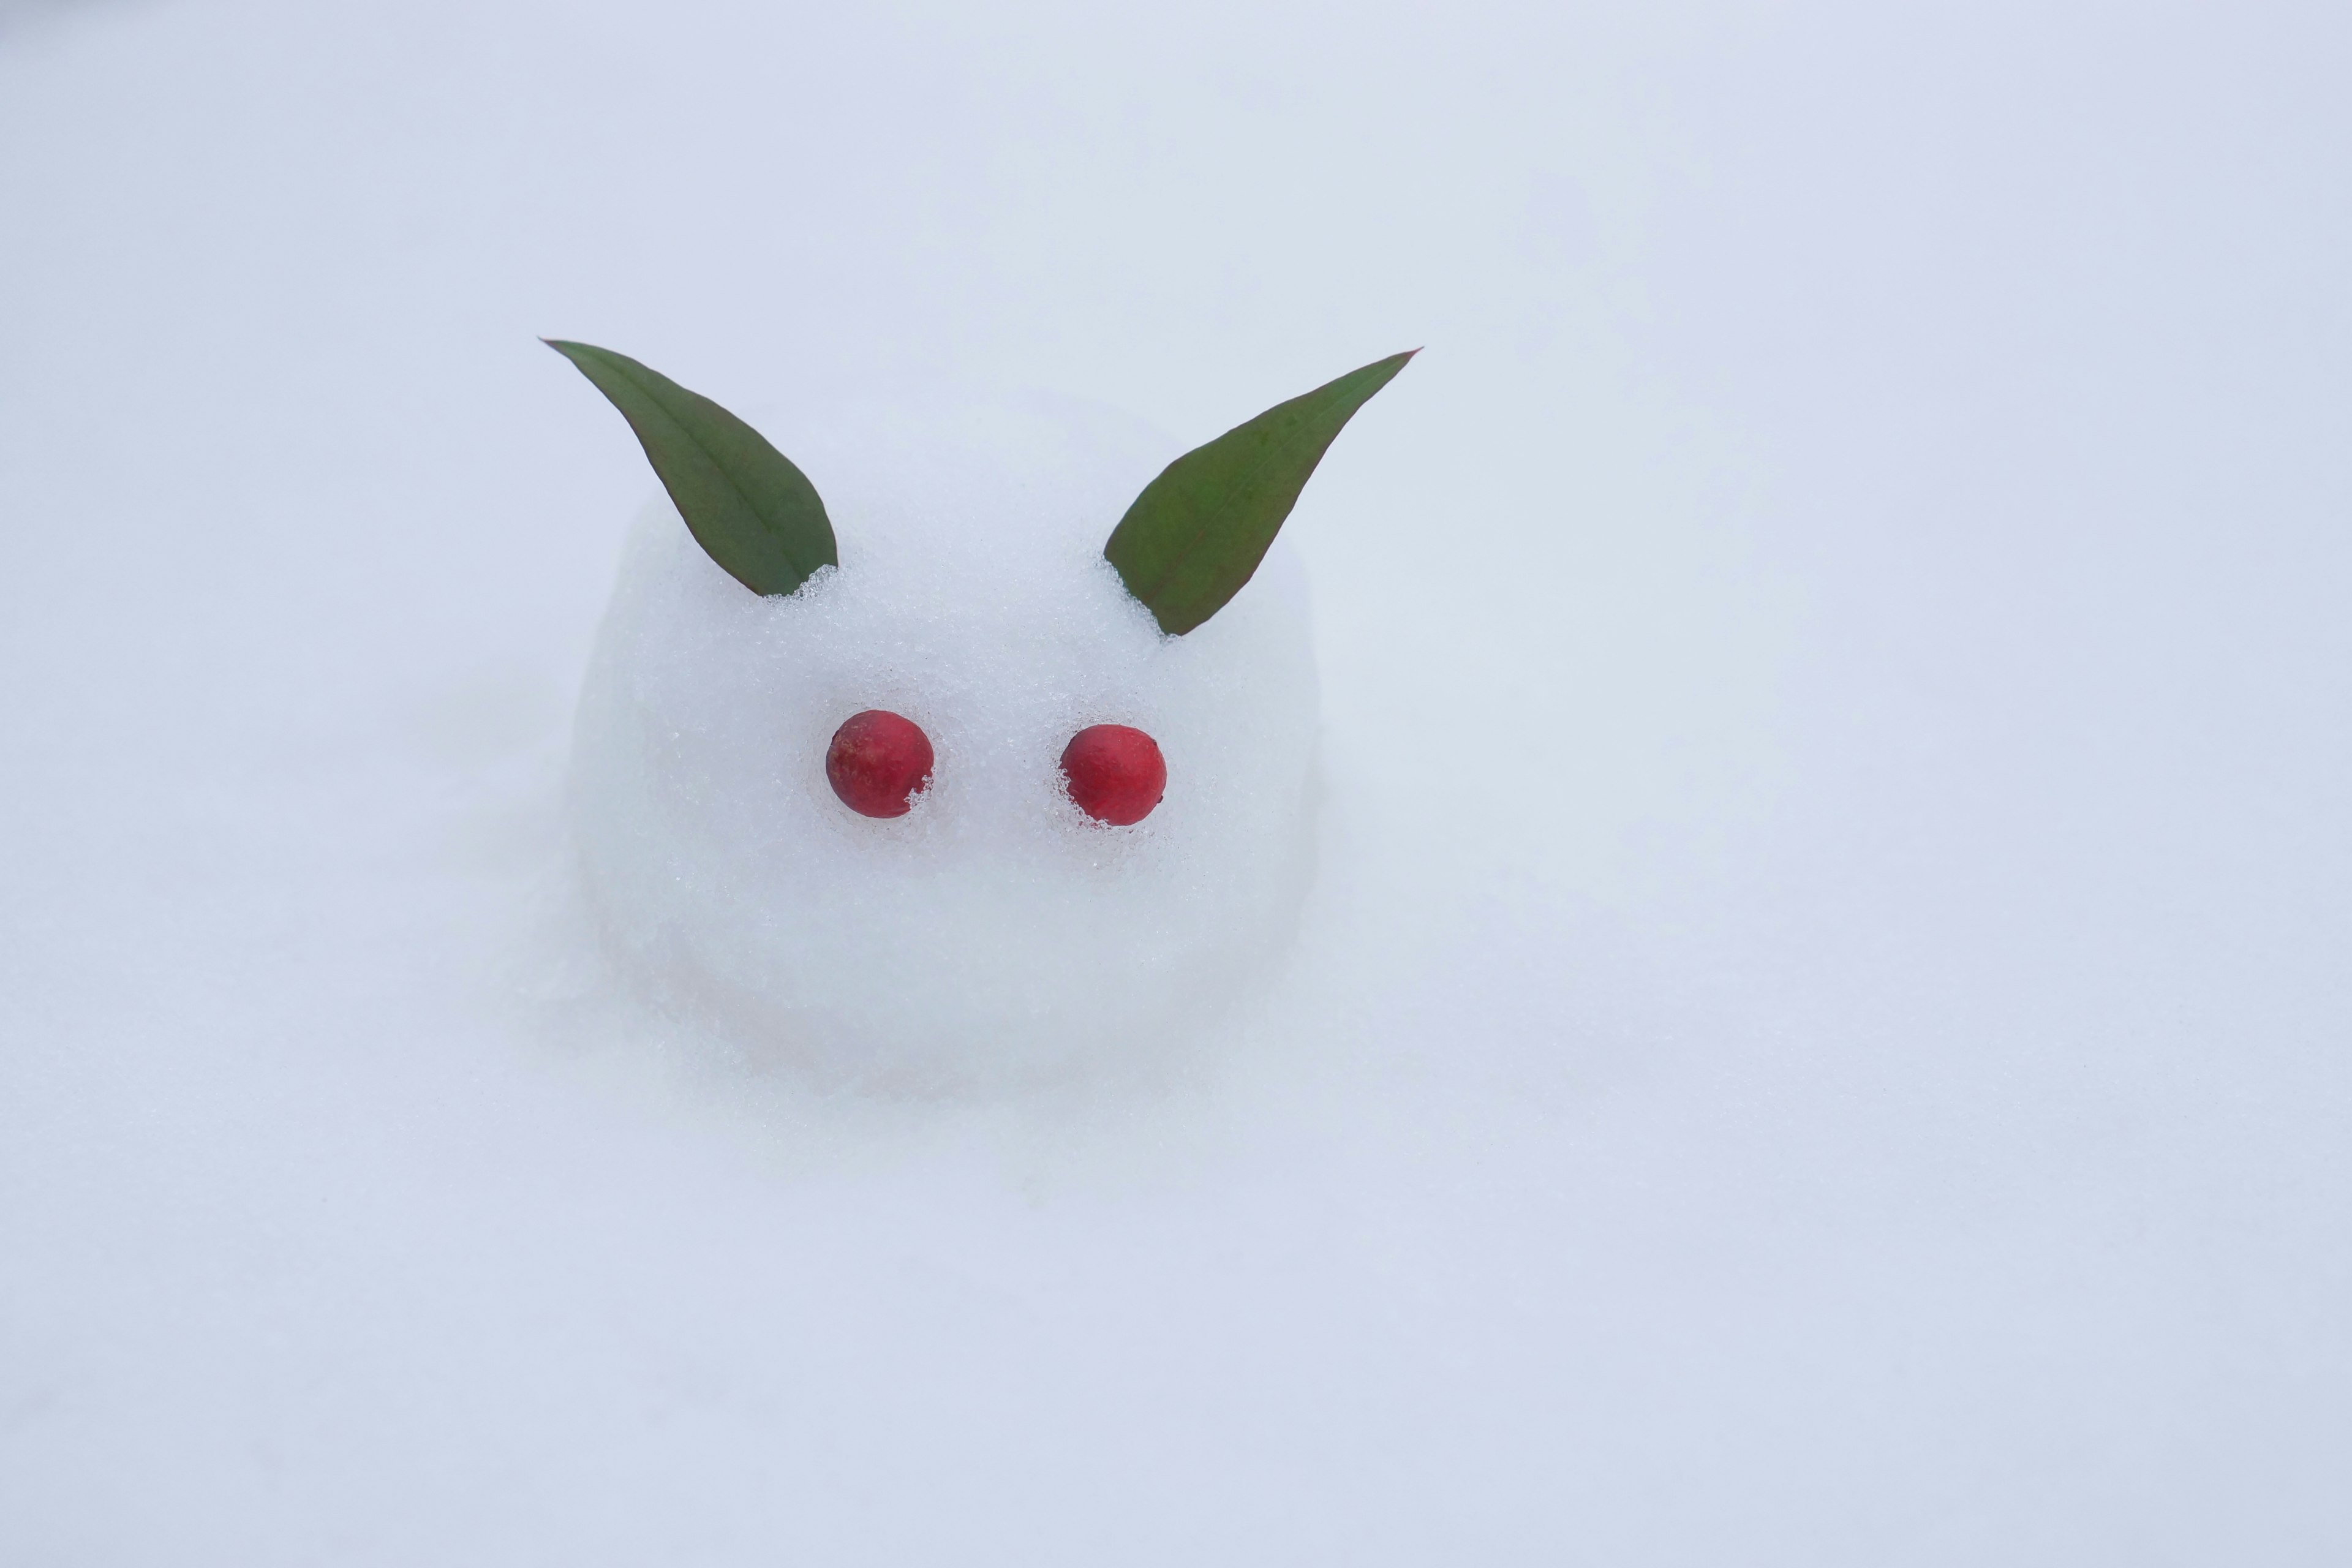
point(745, 503)
point(1198, 532)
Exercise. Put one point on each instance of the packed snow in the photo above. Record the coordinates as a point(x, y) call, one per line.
point(994, 933)
point(1868, 1086)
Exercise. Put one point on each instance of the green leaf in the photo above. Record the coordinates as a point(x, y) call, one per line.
point(1198, 532)
point(746, 504)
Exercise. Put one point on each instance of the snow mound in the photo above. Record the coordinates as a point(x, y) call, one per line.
point(994, 934)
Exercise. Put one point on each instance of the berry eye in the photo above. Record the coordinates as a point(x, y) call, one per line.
point(877, 762)
point(1117, 774)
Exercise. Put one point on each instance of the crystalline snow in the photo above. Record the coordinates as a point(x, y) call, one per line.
point(995, 931)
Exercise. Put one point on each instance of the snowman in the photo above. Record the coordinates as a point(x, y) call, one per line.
point(981, 769)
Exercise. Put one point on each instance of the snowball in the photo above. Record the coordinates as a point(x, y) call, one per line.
point(993, 933)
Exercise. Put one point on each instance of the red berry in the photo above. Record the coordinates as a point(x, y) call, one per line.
point(877, 761)
point(1117, 774)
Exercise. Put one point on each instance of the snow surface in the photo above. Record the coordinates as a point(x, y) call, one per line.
point(1878, 1089)
point(995, 934)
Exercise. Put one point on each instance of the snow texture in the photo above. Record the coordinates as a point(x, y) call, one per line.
point(995, 934)
point(1869, 1086)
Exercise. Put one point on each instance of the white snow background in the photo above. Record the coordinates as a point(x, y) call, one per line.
point(1823, 1035)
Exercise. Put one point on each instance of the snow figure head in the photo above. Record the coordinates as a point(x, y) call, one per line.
point(953, 894)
